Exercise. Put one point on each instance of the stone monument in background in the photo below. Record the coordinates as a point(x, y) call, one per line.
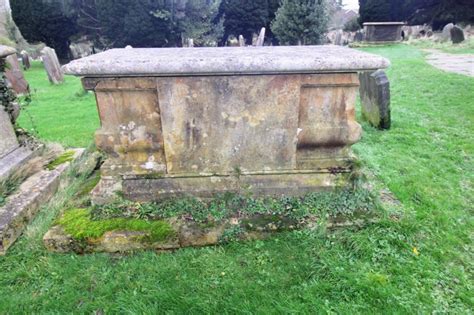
point(52, 65)
point(15, 76)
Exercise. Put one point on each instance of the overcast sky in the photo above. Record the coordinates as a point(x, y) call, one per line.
point(351, 4)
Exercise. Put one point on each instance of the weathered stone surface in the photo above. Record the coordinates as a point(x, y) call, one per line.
point(375, 98)
point(15, 76)
point(52, 66)
point(6, 51)
point(457, 35)
point(192, 234)
point(190, 133)
point(8, 141)
point(446, 33)
point(224, 60)
point(25, 60)
point(21, 207)
point(383, 31)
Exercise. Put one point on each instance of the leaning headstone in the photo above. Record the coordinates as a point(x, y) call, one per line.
point(446, 33)
point(11, 154)
point(52, 66)
point(375, 98)
point(241, 41)
point(25, 60)
point(15, 77)
point(261, 37)
point(457, 35)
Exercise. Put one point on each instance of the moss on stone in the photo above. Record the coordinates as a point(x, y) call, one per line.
point(67, 156)
point(78, 223)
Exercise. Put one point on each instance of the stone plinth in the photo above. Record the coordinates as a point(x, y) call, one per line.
point(383, 31)
point(201, 121)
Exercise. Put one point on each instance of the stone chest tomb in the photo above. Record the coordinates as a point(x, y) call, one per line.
point(380, 32)
point(201, 121)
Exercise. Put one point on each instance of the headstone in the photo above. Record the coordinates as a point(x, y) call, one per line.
point(81, 48)
point(338, 40)
point(11, 154)
point(446, 33)
point(52, 66)
point(15, 77)
point(261, 37)
point(190, 42)
point(457, 35)
point(25, 60)
point(359, 36)
point(241, 41)
point(8, 142)
point(375, 98)
point(128, 47)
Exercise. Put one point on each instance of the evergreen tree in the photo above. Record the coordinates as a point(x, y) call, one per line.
point(136, 23)
point(200, 22)
point(245, 17)
point(302, 22)
point(52, 22)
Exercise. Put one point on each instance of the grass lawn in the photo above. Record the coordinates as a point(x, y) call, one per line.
point(422, 263)
point(466, 47)
point(62, 113)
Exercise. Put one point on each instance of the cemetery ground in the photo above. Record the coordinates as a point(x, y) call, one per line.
point(420, 262)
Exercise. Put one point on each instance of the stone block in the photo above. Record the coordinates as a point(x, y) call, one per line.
point(261, 120)
point(21, 207)
point(383, 31)
point(375, 98)
point(52, 65)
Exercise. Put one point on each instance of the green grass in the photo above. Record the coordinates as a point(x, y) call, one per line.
point(425, 159)
point(59, 113)
point(466, 47)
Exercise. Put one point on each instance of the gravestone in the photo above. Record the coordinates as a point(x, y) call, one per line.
point(457, 35)
point(359, 36)
point(271, 120)
point(25, 60)
point(446, 33)
point(11, 154)
point(375, 98)
point(15, 77)
point(52, 66)
point(241, 41)
point(261, 37)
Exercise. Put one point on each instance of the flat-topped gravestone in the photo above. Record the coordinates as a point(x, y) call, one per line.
point(383, 31)
point(52, 65)
point(15, 76)
point(201, 121)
